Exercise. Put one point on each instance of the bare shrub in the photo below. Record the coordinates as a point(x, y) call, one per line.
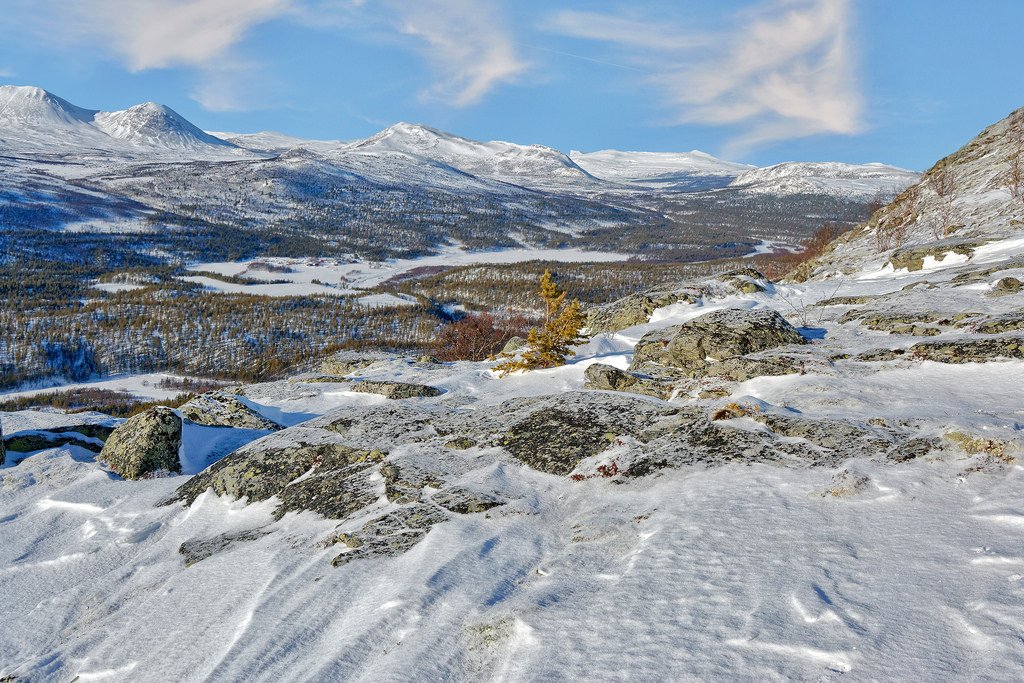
point(477, 337)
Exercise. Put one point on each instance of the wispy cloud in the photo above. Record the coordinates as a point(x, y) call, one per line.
point(784, 71)
point(468, 43)
point(7, 73)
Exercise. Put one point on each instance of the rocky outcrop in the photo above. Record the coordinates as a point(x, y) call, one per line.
point(145, 444)
point(970, 350)
point(218, 409)
point(1011, 322)
point(608, 378)
point(396, 390)
point(1007, 285)
point(717, 336)
point(83, 436)
point(197, 550)
point(309, 470)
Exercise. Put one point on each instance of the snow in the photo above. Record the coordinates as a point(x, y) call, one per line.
point(619, 166)
point(846, 180)
point(144, 386)
point(350, 277)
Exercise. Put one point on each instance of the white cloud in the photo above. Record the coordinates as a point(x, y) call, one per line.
point(164, 33)
point(466, 40)
point(784, 72)
point(7, 73)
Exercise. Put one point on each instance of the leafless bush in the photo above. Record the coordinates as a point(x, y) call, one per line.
point(1014, 178)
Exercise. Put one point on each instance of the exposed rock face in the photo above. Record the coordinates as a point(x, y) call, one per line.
point(1010, 322)
point(970, 350)
point(514, 345)
point(396, 390)
point(217, 409)
point(336, 482)
point(146, 443)
point(607, 378)
point(694, 346)
point(347, 362)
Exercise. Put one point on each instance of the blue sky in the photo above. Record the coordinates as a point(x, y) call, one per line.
point(899, 81)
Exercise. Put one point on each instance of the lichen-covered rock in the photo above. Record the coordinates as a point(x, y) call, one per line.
point(635, 309)
point(405, 483)
point(146, 443)
point(608, 378)
point(716, 336)
point(880, 355)
point(307, 469)
point(1007, 285)
point(744, 281)
point(390, 535)
point(41, 440)
point(970, 350)
point(396, 390)
point(1010, 322)
point(740, 368)
point(912, 258)
point(347, 362)
point(513, 346)
point(218, 409)
point(465, 501)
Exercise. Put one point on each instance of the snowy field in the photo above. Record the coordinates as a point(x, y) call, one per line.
point(340, 277)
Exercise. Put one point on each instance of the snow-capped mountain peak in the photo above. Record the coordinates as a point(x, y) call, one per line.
point(156, 125)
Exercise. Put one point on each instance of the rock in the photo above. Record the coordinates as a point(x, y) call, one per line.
point(405, 483)
point(390, 535)
point(464, 501)
point(847, 484)
point(396, 390)
point(217, 409)
point(3, 446)
point(428, 360)
point(513, 346)
point(144, 444)
point(913, 448)
point(716, 336)
point(847, 300)
point(745, 281)
point(347, 362)
point(307, 469)
point(460, 443)
point(916, 323)
point(197, 550)
point(1007, 285)
point(912, 258)
point(607, 378)
point(876, 355)
point(740, 369)
point(41, 440)
point(1000, 324)
point(970, 350)
point(556, 434)
point(635, 309)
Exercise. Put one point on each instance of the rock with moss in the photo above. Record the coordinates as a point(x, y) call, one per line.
point(970, 350)
point(219, 409)
point(1000, 324)
point(391, 534)
point(880, 355)
point(608, 378)
point(199, 549)
point(465, 501)
point(912, 258)
point(635, 309)
point(513, 346)
point(1007, 285)
point(305, 468)
point(145, 444)
point(396, 390)
point(742, 368)
point(744, 281)
point(716, 336)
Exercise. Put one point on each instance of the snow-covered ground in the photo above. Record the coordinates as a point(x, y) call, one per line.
point(339, 277)
point(740, 572)
point(145, 387)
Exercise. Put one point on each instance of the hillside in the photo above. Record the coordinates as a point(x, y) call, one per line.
point(732, 479)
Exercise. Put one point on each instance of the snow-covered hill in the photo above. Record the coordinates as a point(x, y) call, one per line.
point(154, 125)
point(659, 168)
point(860, 180)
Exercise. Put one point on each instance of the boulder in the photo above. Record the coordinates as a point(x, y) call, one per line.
point(1007, 285)
point(912, 258)
point(693, 346)
point(144, 444)
point(635, 309)
point(218, 409)
point(607, 378)
point(396, 390)
point(513, 346)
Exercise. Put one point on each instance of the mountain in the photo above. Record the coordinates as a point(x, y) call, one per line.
point(861, 180)
point(34, 120)
point(154, 125)
point(530, 164)
point(659, 168)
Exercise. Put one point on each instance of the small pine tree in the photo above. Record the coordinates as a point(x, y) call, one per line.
point(548, 345)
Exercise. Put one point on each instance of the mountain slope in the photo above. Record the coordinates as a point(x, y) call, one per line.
point(659, 168)
point(154, 125)
point(864, 180)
